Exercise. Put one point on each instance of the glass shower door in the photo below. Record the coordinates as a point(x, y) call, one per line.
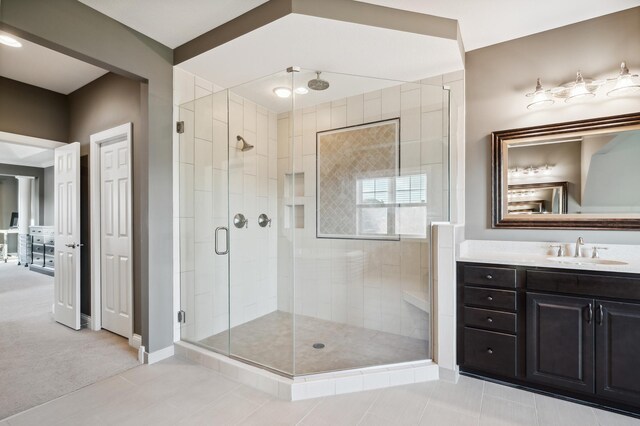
point(204, 221)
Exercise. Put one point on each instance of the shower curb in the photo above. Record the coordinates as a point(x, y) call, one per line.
point(315, 385)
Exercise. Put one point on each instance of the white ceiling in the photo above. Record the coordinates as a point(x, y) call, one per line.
point(487, 22)
point(23, 155)
point(482, 22)
point(327, 45)
point(172, 22)
point(38, 66)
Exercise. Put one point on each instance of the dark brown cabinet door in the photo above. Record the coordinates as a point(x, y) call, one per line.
point(618, 351)
point(560, 341)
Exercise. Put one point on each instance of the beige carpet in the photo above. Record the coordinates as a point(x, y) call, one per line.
point(40, 359)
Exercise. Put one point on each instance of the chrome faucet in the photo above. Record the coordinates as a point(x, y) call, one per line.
point(579, 242)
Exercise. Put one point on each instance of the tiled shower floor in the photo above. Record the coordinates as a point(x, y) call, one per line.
point(268, 341)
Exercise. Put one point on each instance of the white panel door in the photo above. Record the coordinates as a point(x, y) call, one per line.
point(115, 210)
point(67, 230)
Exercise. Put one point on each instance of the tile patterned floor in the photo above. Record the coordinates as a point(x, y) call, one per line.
point(178, 392)
point(268, 341)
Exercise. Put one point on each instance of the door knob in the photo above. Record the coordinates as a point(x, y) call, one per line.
point(74, 245)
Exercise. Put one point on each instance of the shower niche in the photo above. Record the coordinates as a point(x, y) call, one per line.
point(282, 297)
point(294, 205)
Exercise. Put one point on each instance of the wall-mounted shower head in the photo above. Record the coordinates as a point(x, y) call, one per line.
point(245, 146)
point(318, 83)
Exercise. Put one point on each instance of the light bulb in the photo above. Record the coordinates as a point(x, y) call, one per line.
point(625, 83)
point(9, 41)
point(282, 92)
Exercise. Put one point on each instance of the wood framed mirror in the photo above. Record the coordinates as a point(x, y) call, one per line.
point(578, 175)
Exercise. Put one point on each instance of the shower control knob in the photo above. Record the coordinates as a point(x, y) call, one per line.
point(264, 220)
point(489, 298)
point(240, 221)
point(489, 319)
point(489, 351)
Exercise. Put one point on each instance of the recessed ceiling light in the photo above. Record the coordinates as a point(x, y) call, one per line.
point(282, 92)
point(301, 90)
point(9, 41)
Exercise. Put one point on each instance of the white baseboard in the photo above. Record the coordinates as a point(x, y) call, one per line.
point(135, 341)
point(85, 321)
point(153, 357)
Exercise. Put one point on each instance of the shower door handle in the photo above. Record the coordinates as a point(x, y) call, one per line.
point(226, 231)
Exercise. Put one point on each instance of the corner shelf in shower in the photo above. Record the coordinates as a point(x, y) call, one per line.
point(294, 206)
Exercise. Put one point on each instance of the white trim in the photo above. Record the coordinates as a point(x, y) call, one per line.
point(135, 341)
point(17, 139)
point(159, 355)
point(85, 321)
point(119, 133)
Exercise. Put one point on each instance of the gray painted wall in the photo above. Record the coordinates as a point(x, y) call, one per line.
point(12, 171)
point(47, 219)
point(106, 102)
point(32, 111)
point(79, 31)
point(497, 77)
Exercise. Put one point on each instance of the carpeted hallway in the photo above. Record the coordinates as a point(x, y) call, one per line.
point(41, 360)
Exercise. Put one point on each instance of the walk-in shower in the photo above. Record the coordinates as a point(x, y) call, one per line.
point(335, 189)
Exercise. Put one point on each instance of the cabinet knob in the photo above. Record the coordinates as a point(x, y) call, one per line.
point(489, 351)
point(489, 277)
point(489, 298)
point(489, 319)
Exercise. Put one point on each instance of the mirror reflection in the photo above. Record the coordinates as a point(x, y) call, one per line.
point(594, 173)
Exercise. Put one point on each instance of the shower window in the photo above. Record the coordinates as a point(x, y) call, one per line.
point(380, 200)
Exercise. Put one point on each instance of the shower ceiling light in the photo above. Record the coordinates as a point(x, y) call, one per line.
point(301, 90)
point(282, 92)
point(626, 82)
point(9, 41)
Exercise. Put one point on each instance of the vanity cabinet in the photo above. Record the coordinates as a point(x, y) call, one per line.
point(573, 333)
point(561, 341)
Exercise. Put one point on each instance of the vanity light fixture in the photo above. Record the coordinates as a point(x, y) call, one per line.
point(282, 92)
point(530, 171)
point(626, 82)
point(584, 88)
point(541, 97)
point(9, 41)
point(579, 90)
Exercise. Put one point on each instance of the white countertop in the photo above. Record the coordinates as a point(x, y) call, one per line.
point(538, 254)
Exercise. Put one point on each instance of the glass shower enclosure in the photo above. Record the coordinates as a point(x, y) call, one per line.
point(306, 200)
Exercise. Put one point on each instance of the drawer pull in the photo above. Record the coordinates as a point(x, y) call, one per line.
point(489, 277)
point(489, 351)
point(490, 298)
point(489, 319)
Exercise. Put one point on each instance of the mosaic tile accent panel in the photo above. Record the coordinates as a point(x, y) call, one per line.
point(344, 157)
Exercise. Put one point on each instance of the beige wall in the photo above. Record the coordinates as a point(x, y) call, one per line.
point(497, 77)
point(106, 102)
point(32, 111)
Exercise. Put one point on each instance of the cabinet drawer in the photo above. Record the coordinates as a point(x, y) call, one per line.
point(491, 320)
point(49, 261)
point(490, 351)
point(38, 248)
point(490, 298)
point(50, 250)
point(486, 275)
point(38, 239)
point(38, 259)
point(50, 240)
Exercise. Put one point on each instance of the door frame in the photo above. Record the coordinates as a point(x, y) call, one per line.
point(115, 134)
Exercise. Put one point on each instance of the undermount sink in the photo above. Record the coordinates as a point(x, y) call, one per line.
point(586, 260)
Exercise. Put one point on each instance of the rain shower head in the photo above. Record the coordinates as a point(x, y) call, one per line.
point(245, 146)
point(318, 83)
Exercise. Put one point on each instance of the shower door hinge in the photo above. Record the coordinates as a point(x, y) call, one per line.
point(182, 317)
point(180, 127)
